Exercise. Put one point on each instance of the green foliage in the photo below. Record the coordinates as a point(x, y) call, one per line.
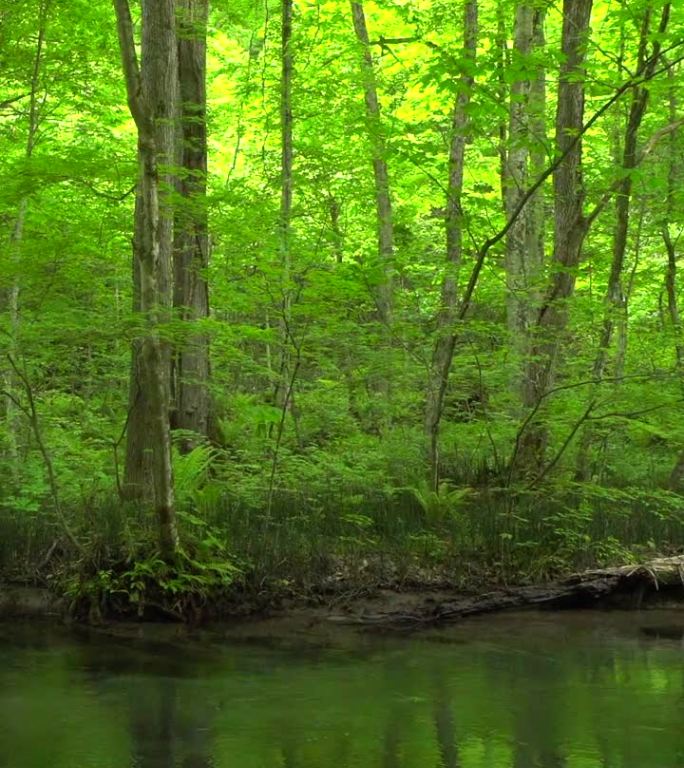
point(347, 476)
point(143, 584)
point(195, 488)
point(440, 504)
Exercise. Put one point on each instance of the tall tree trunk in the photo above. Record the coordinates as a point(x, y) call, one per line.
point(383, 202)
point(152, 91)
point(676, 479)
point(446, 339)
point(615, 302)
point(569, 229)
point(525, 159)
point(336, 231)
point(502, 63)
point(190, 376)
point(622, 332)
point(286, 191)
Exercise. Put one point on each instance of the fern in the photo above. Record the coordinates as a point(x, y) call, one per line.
point(191, 473)
point(445, 503)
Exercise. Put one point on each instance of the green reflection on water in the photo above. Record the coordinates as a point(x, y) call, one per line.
point(516, 692)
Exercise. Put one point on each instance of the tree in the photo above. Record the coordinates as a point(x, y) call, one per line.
point(443, 352)
point(383, 201)
point(459, 301)
point(151, 89)
point(190, 374)
point(615, 302)
point(676, 479)
point(283, 389)
point(34, 118)
point(525, 160)
point(570, 228)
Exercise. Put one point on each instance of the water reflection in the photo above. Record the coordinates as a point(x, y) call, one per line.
point(543, 693)
point(391, 745)
point(445, 731)
point(165, 729)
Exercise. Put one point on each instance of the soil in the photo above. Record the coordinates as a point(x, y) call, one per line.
point(657, 582)
point(17, 601)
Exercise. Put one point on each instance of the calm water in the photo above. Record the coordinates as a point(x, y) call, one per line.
point(572, 690)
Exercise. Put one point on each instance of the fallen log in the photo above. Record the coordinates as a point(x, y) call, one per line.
point(625, 586)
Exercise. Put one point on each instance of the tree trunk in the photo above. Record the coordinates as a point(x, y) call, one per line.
point(444, 345)
point(676, 479)
point(525, 159)
point(286, 191)
point(152, 91)
point(502, 63)
point(191, 242)
point(615, 302)
point(383, 202)
point(672, 302)
point(569, 230)
point(336, 230)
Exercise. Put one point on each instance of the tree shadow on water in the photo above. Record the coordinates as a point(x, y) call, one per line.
point(166, 730)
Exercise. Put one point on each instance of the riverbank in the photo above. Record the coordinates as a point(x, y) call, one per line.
point(657, 582)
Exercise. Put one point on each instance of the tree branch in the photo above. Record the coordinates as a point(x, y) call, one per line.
point(645, 152)
point(586, 415)
point(31, 413)
point(131, 68)
point(8, 102)
point(561, 388)
point(547, 173)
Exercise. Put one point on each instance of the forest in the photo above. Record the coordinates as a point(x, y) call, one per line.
point(299, 293)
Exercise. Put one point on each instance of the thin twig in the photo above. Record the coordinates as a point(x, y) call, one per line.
point(32, 414)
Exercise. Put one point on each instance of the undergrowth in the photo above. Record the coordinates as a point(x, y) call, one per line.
point(235, 557)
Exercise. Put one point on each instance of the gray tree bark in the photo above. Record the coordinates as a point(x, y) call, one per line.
point(615, 302)
point(525, 160)
point(286, 194)
point(570, 229)
point(190, 364)
point(152, 90)
point(615, 299)
point(446, 338)
point(676, 479)
point(383, 201)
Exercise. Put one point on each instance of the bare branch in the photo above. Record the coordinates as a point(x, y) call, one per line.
point(31, 413)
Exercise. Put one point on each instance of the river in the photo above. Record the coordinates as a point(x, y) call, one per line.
point(529, 690)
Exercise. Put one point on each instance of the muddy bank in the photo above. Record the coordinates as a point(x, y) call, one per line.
point(22, 602)
point(657, 582)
